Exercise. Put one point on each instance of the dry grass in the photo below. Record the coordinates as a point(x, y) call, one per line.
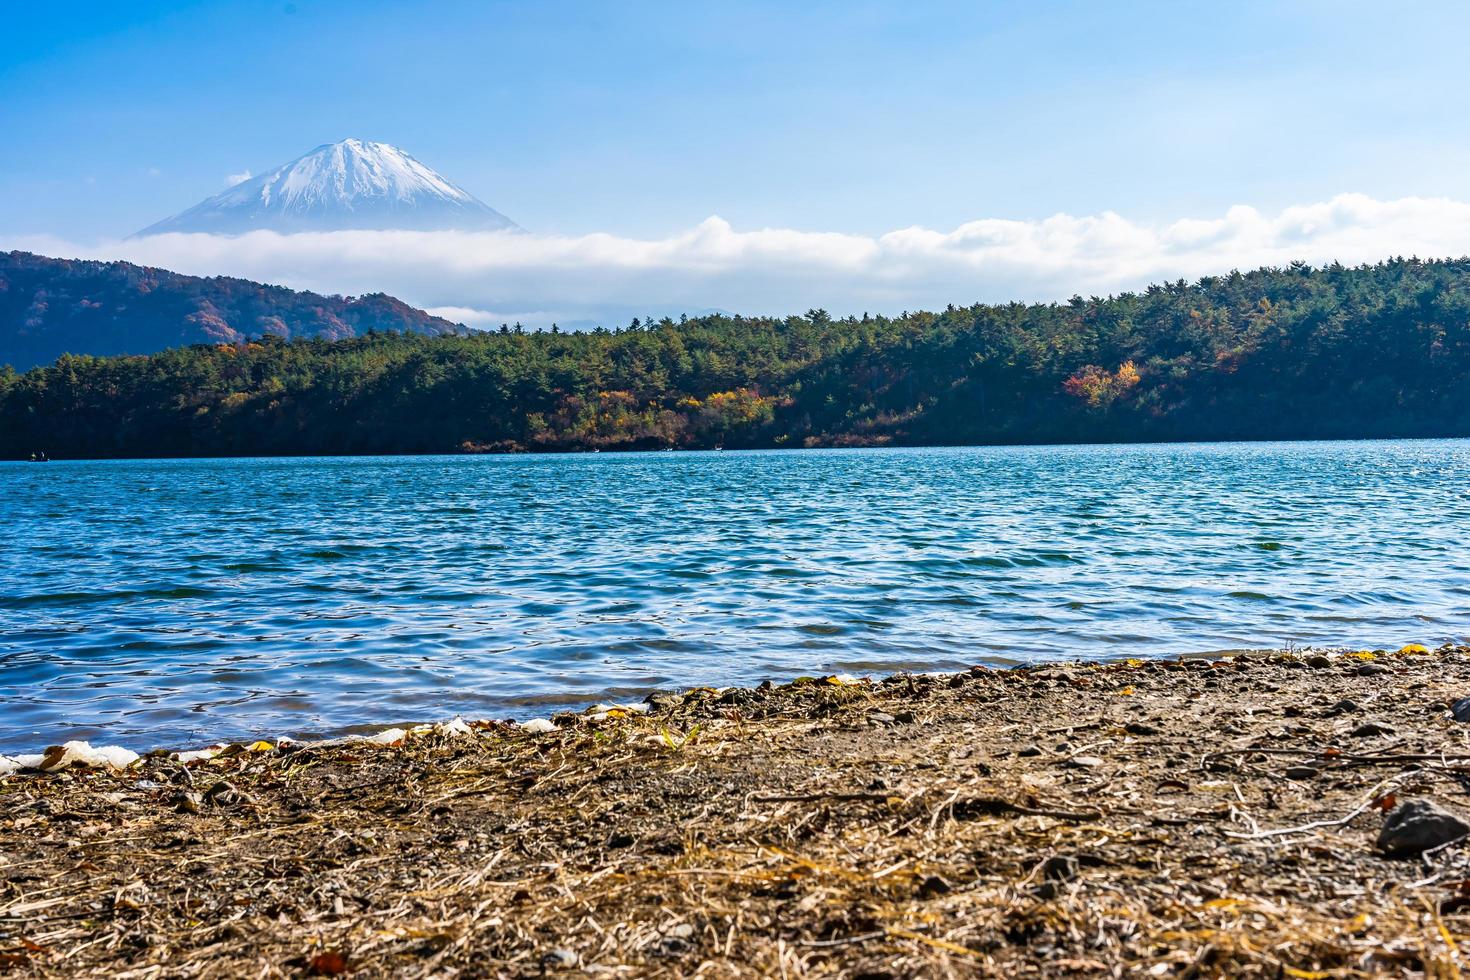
point(905, 828)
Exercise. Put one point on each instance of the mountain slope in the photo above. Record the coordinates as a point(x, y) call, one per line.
point(53, 306)
point(351, 184)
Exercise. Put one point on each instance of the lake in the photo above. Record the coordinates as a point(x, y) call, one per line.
point(180, 602)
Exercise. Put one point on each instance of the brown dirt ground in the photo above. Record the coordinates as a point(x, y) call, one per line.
point(1129, 819)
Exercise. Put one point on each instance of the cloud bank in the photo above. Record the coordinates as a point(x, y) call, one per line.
point(483, 279)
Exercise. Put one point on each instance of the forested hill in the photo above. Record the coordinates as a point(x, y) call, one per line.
point(1300, 352)
point(51, 306)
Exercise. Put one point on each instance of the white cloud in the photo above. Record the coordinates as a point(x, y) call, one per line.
point(492, 319)
point(232, 179)
point(484, 279)
point(468, 315)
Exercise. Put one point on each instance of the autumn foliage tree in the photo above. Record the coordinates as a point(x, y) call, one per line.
point(1100, 387)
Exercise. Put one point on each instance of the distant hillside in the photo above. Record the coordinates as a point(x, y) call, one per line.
point(49, 307)
point(1294, 353)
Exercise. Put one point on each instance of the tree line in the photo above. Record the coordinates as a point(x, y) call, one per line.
point(1378, 350)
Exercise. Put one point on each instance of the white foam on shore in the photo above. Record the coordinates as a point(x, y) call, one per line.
point(70, 754)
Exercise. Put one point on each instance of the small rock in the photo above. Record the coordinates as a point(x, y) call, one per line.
point(1319, 661)
point(224, 793)
point(1084, 761)
point(933, 886)
point(904, 717)
point(563, 959)
point(1055, 872)
point(1059, 867)
point(1461, 709)
point(1372, 670)
point(1302, 772)
point(1370, 728)
point(1346, 706)
point(1140, 728)
point(959, 680)
point(1030, 751)
point(188, 802)
point(620, 840)
point(663, 701)
point(1415, 826)
point(881, 718)
point(672, 946)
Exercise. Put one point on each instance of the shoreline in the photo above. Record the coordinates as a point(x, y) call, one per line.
point(568, 710)
point(591, 450)
point(1196, 816)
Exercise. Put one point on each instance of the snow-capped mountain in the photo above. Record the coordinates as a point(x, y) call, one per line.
point(352, 184)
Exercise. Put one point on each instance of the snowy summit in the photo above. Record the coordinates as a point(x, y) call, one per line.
point(352, 184)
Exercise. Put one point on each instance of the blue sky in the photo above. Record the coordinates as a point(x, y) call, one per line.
point(645, 118)
point(756, 157)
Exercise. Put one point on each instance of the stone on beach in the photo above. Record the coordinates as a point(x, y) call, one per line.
point(1461, 709)
point(1416, 826)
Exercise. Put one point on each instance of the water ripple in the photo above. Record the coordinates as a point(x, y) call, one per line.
point(184, 601)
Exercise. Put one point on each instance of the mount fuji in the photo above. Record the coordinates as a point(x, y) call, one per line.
point(349, 185)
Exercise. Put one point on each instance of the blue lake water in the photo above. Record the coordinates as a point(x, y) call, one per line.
point(180, 602)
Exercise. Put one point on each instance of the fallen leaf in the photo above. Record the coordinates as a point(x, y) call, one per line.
point(327, 964)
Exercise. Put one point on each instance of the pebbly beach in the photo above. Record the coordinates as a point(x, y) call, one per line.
point(1295, 814)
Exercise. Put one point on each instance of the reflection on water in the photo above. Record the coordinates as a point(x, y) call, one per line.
point(166, 602)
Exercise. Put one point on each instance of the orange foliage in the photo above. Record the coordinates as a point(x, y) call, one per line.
point(1100, 387)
